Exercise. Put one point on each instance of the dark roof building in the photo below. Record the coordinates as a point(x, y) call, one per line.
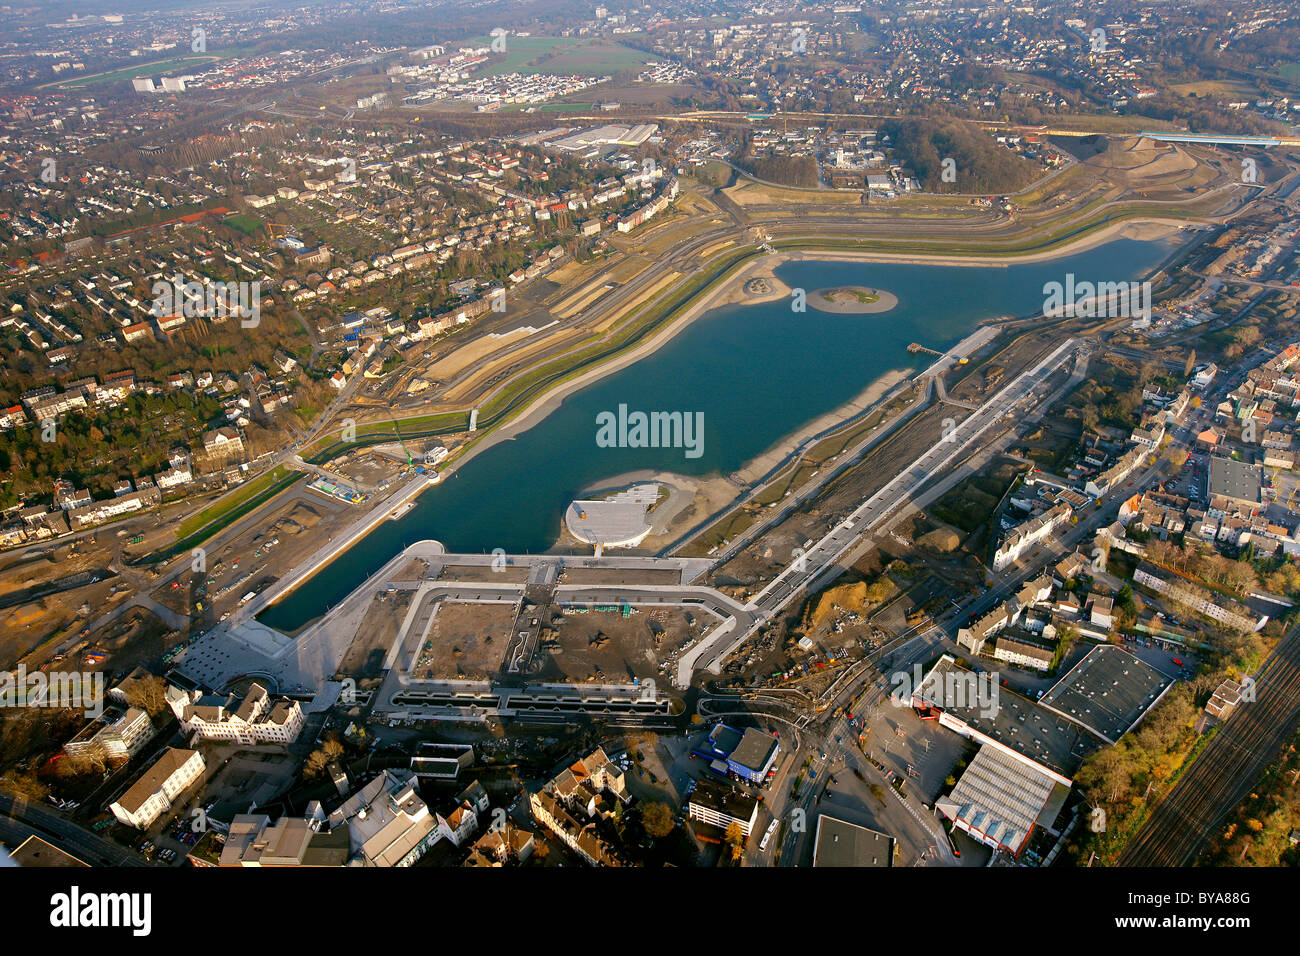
point(1107, 692)
point(36, 852)
point(840, 843)
point(1237, 481)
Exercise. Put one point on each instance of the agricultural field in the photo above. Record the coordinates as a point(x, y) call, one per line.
point(131, 72)
point(566, 56)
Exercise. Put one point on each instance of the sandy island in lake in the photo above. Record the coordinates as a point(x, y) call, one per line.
point(738, 289)
point(852, 300)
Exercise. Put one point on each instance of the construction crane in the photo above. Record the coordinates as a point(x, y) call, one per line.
point(398, 432)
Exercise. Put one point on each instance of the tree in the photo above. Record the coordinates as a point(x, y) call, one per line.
point(322, 757)
point(149, 694)
point(735, 837)
point(657, 819)
point(23, 783)
point(1091, 417)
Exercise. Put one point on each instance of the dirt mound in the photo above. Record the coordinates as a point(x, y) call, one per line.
point(297, 520)
point(850, 597)
point(1141, 159)
point(942, 540)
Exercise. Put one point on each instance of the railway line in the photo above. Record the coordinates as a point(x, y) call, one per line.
point(1223, 774)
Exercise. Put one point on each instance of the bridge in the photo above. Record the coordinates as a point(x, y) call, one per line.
point(1217, 139)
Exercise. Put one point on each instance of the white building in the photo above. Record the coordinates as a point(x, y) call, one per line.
point(387, 822)
point(1024, 536)
point(116, 741)
point(151, 796)
point(716, 805)
point(252, 719)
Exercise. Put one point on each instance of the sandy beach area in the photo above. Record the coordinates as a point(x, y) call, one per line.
point(755, 469)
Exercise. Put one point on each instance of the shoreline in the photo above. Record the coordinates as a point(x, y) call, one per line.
point(719, 491)
point(1153, 229)
point(730, 291)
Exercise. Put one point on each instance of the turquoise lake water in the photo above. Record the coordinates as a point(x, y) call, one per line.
point(756, 372)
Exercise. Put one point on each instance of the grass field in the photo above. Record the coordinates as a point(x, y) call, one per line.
point(248, 225)
point(564, 56)
point(1288, 71)
point(229, 504)
point(1216, 88)
point(132, 71)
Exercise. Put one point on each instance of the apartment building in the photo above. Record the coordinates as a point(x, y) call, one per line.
point(1029, 533)
point(152, 794)
point(116, 740)
point(1021, 650)
point(572, 802)
point(254, 718)
point(1117, 473)
point(254, 840)
point(387, 822)
point(1230, 613)
point(720, 806)
point(224, 442)
point(978, 632)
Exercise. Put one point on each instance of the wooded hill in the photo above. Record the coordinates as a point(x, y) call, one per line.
point(981, 164)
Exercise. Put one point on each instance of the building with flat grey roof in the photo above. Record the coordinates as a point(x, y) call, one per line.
point(840, 843)
point(976, 706)
point(1108, 692)
point(754, 756)
point(1000, 800)
point(1237, 481)
point(291, 841)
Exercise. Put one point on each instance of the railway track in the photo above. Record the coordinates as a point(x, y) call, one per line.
point(1220, 778)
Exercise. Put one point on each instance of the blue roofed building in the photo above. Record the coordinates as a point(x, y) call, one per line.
point(749, 754)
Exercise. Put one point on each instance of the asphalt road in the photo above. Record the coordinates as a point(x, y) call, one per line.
point(23, 818)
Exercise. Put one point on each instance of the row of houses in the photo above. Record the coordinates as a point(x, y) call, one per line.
point(1230, 613)
point(654, 207)
point(572, 803)
point(75, 509)
point(1024, 629)
point(385, 823)
point(1027, 534)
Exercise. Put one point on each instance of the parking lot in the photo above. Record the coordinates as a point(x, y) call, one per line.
point(900, 740)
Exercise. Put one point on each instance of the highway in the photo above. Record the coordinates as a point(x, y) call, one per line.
point(23, 818)
point(805, 569)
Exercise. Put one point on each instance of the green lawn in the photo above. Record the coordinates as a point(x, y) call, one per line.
point(563, 55)
point(134, 70)
point(248, 225)
point(226, 505)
